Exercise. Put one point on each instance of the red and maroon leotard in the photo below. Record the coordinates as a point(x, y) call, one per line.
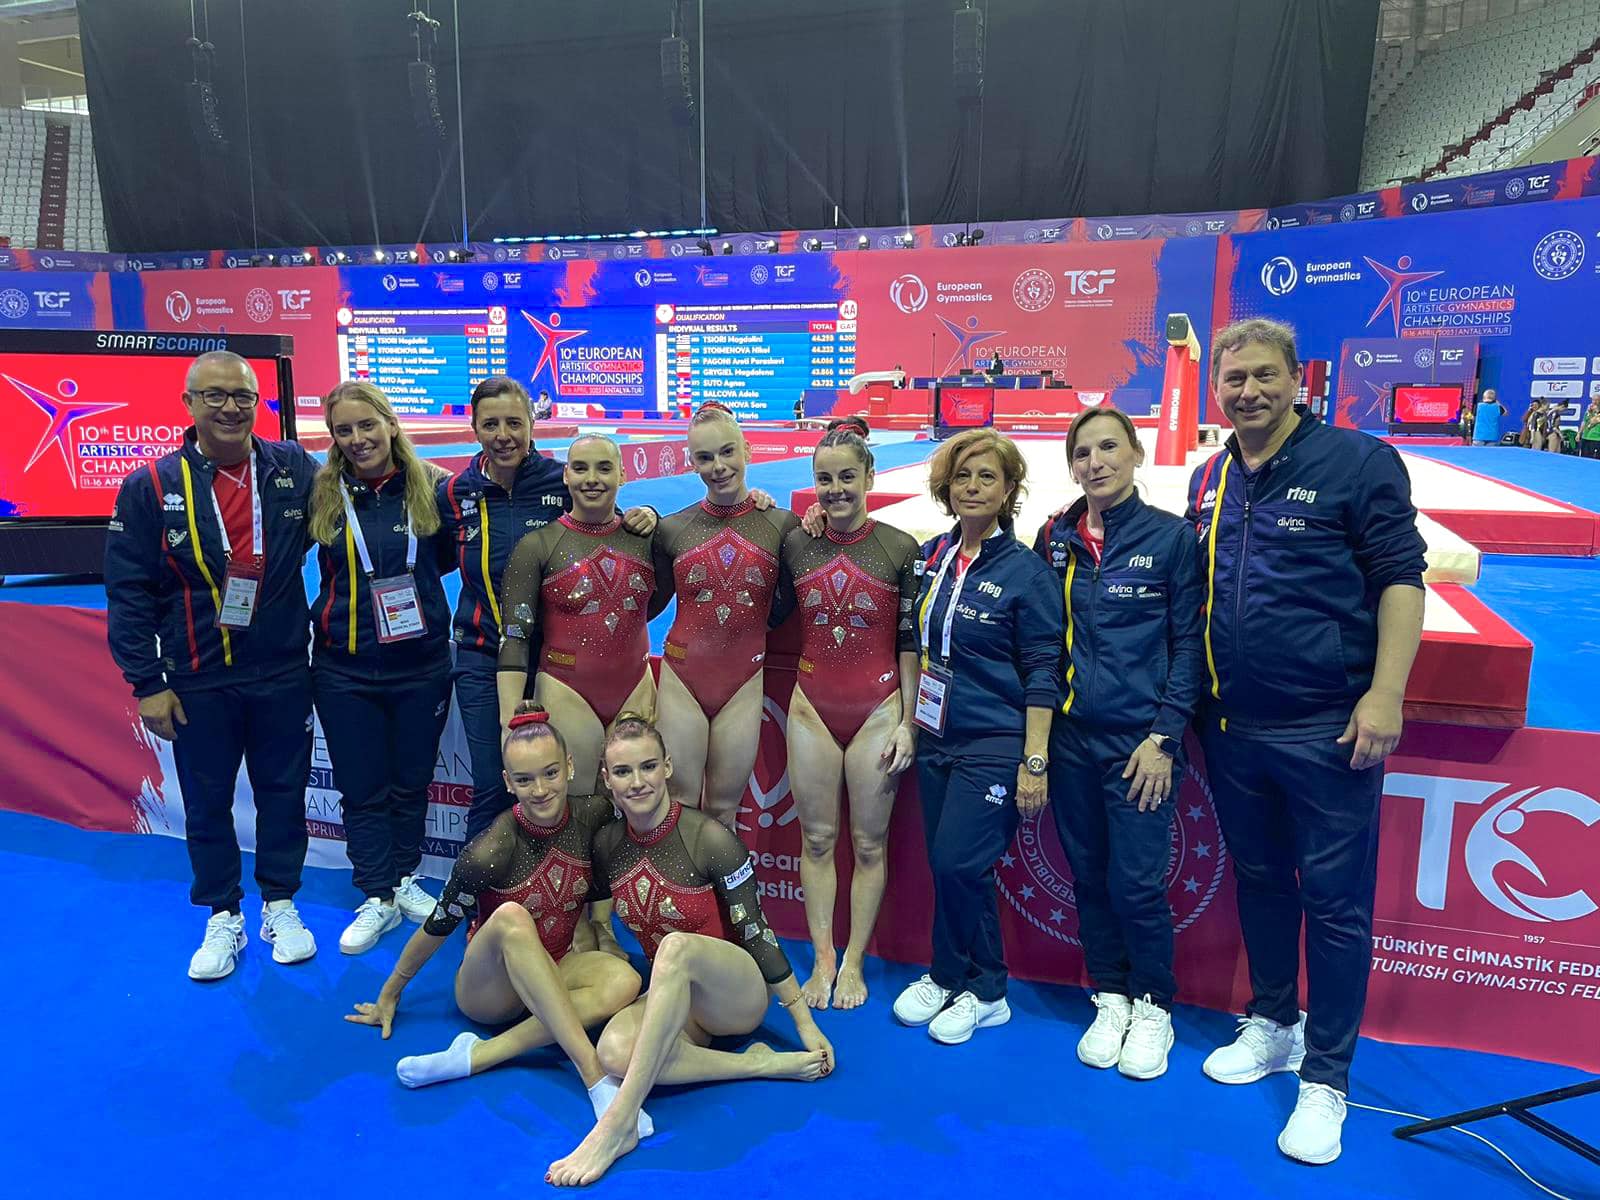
point(688, 875)
point(591, 591)
point(855, 593)
point(514, 861)
point(724, 565)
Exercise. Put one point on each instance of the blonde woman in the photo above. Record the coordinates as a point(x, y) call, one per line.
point(381, 656)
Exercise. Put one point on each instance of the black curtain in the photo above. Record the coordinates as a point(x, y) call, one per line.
point(1091, 107)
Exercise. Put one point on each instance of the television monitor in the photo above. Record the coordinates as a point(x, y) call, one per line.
point(79, 410)
point(1425, 403)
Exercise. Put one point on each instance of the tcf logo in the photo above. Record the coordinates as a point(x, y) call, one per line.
point(1492, 841)
point(1089, 282)
point(52, 301)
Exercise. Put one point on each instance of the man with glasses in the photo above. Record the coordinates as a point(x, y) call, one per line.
point(207, 619)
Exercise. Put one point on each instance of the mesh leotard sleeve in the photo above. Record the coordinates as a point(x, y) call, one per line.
point(519, 599)
point(902, 550)
point(482, 863)
point(722, 858)
point(783, 600)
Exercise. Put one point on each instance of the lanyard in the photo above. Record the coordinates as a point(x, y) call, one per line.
point(255, 515)
point(955, 595)
point(353, 529)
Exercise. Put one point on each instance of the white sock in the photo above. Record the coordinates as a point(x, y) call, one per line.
point(603, 1093)
point(419, 1070)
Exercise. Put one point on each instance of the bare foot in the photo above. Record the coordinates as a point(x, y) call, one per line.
point(605, 940)
point(608, 1141)
point(852, 989)
point(804, 1065)
point(819, 987)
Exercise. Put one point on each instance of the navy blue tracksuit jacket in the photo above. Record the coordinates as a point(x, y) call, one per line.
point(482, 522)
point(165, 566)
point(1132, 658)
point(1295, 556)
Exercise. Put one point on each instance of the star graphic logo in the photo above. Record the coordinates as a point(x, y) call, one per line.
point(62, 413)
point(968, 338)
point(552, 335)
point(1398, 277)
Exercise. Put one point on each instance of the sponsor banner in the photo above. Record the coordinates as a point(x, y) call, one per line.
point(1093, 315)
point(1560, 366)
point(298, 302)
point(1365, 206)
point(1487, 925)
point(1369, 369)
point(1523, 280)
point(1558, 389)
point(68, 300)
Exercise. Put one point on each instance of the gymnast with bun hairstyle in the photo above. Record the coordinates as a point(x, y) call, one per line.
point(686, 886)
point(850, 718)
point(721, 554)
point(520, 887)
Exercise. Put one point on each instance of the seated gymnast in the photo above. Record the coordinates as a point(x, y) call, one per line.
point(686, 886)
point(521, 885)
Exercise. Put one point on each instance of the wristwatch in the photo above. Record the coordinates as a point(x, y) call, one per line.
point(1165, 744)
point(1036, 764)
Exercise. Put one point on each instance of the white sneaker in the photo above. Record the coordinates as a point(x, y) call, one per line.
point(921, 1002)
point(1312, 1134)
point(373, 919)
point(1102, 1042)
point(1262, 1048)
point(281, 925)
point(965, 1015)
point(1144, 1053)
point(412, 900)
point(219, 952)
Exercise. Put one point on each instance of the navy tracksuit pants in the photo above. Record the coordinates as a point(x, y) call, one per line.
point(967, 824)
point(478, 699)
point(383, 740)
point(1119, 860)
point(1303, 831)
point(266, 725)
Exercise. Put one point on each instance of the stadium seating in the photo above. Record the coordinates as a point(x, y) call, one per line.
point(1510, 68)
point(22, 152)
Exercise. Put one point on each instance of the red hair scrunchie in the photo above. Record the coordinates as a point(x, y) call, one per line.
point(536, 716)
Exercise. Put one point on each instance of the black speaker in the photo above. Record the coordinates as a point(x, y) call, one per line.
point(424, 83)
point(677, 86)
point(967, 57)
point(204, 123)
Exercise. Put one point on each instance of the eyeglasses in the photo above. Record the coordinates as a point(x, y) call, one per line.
point(217, 397)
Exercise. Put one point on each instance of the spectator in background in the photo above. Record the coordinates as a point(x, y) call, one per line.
point(1549, 437)
point(543, 406)
point(1589, 431)
point(1532, 419)
point(1486, 418)
point(1464, 419)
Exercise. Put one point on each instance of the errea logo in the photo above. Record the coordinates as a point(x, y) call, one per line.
point(997, 793)
point(1308, 495)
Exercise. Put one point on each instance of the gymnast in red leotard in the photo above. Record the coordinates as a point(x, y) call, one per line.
point(722, 555)
point(520, 884)
point(850, 716)
point(587, 587)
point(686, 885)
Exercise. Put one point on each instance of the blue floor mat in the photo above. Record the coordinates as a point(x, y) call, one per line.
point(126, 1078)
point(1560, 476)
point(1555, 604)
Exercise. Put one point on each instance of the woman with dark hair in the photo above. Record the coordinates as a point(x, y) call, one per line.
point(989, 629)
point(722, 555)
point(850, 714)
point(686, 886)
point(381, 652)
point(1132, 665)
point(519, 885)
point(506, 492)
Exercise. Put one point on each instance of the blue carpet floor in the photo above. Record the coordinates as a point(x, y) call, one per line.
point(1559, 476)
point(126, 1078)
